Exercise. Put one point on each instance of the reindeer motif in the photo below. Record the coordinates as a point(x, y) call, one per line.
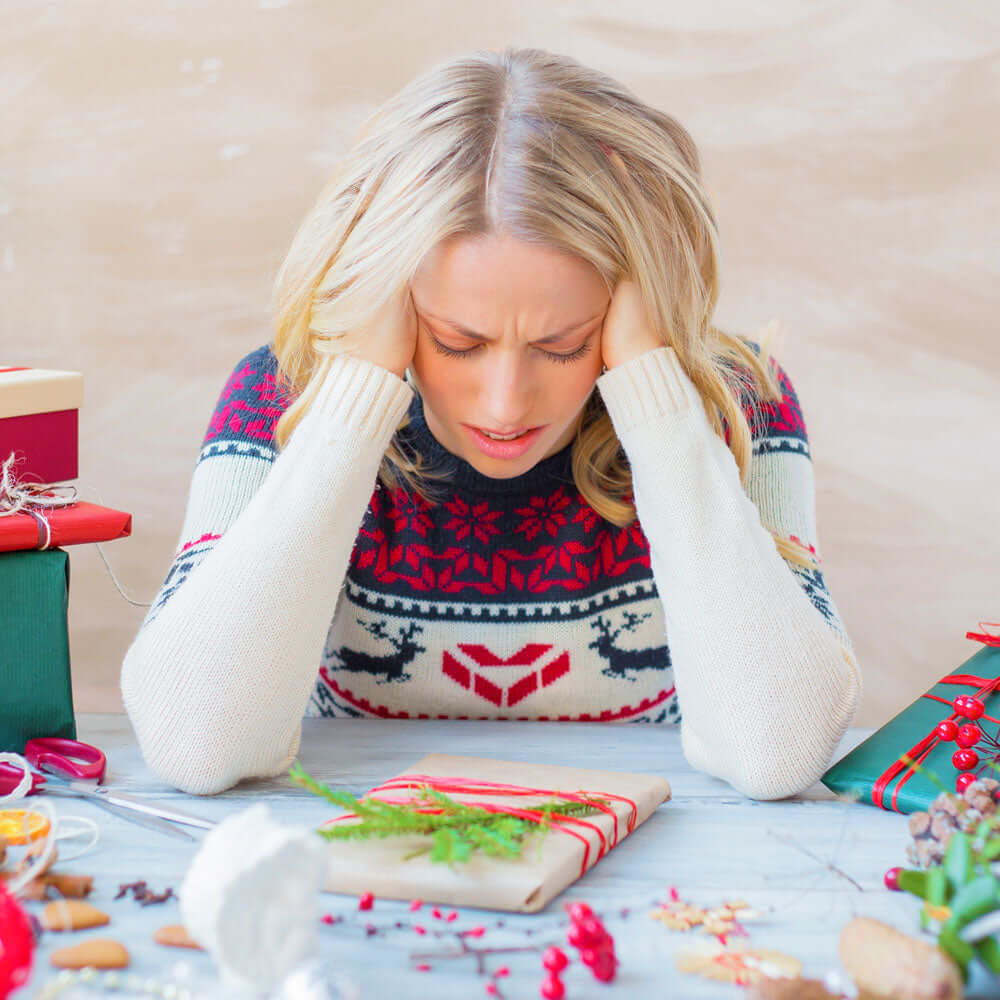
point(388, 667)
point(620, 661)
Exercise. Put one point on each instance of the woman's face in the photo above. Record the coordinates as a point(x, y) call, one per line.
point(528, 322)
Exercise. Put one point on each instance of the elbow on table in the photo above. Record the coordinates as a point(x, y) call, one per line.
point(187, 770)
point(777, 766)
point(205, 767)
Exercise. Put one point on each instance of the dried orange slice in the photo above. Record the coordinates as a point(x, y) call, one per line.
point(18, 826)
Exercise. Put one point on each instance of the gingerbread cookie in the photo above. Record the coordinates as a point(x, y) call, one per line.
point(98, 953)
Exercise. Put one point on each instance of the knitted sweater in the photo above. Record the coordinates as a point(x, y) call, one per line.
point(301, 587)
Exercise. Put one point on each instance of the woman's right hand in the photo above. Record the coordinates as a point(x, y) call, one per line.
point(390, 338)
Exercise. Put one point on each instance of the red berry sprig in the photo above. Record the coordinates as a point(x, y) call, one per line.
point(966, 736)
point(596, 946)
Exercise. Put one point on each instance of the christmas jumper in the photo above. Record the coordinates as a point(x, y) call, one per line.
point(300, 586)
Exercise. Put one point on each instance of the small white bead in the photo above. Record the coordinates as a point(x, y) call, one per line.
point(169, 992)
point(112, 980)
point(88, 974)
point(66, 976)
point(151, 986)
point(133, 982)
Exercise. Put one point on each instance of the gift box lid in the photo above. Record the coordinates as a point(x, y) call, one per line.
point(38, 390)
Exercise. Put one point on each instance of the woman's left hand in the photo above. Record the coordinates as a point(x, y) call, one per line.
point(627, 332)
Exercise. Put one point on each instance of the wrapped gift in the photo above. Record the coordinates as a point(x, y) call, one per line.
point(946, 731)
point(38, 421)
point(400, 867)
point(40, 527)
point(36, 697)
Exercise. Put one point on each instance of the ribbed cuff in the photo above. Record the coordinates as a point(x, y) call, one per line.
point(367, 398)
point(651, 385)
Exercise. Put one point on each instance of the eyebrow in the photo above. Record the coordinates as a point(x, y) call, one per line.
point(541, 340)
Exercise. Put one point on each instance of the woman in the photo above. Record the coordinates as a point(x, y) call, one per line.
point(509, 233)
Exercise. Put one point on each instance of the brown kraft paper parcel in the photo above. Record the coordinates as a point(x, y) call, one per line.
point(523, 884)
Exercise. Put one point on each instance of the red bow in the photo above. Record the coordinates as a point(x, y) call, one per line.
point(989, 638)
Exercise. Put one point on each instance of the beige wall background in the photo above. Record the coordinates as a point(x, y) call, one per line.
point(156, 159)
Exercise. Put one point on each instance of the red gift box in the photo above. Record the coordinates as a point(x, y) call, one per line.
point(75, 524)
point(39, 422)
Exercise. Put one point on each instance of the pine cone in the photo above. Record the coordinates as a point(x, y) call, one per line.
point(932, 830)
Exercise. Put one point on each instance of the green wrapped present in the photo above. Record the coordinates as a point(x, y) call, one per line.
point(36, 697)
point(945, 731)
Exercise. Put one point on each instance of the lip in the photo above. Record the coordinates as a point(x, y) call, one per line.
point(503, 449)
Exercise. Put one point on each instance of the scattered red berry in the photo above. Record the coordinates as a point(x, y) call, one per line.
point(327, 918)
point(476, 932)
point(552, 988)
point(501, 972)
point(366, 901)
point(419, 929)
point(415, 904)
point(597, 948)
point(605, 969)
point(452, 917)
point(965, 759)
point(436, 913)
point(891, 878)
point(423, 967)
point(491, 989)
point(555, 959)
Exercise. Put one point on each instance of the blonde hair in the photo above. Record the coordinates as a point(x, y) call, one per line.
point(532, 144)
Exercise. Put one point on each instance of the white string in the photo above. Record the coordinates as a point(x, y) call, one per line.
point(89, 825)
point(20, 790)
point(57, 825)
point(17, 497)
point(107, 565)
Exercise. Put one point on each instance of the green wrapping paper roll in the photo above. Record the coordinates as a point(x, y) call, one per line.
point(874, 772)
point(36, 696)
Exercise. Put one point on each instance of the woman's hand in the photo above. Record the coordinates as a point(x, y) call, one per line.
point(390, 338)
point(627, 332)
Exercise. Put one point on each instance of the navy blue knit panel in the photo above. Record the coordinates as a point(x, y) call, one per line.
point(241, 426)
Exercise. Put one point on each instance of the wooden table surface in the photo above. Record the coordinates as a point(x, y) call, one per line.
point(807, 865)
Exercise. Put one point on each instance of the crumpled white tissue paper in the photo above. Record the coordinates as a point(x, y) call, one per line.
point(250, 898)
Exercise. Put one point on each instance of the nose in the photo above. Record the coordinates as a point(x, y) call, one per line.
point(507, 391)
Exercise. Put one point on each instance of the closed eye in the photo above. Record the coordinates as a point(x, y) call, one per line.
point(552, 356)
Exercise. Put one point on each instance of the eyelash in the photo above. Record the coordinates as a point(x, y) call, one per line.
point(558, 358)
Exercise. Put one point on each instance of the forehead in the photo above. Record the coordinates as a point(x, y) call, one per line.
point(503, 273)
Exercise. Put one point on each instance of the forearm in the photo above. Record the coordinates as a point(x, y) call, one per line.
point(216, 683)
point(765, 688)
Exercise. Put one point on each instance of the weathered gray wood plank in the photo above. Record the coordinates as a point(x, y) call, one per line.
point(808, 864)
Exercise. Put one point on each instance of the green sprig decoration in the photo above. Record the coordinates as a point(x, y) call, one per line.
point(455, 833)
point(963, 884)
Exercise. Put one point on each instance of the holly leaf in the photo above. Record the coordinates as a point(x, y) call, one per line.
point(938, 889)
point(958, 864)
point(961, 951)
point(976, 898)
point(914, 882)
point(988, 952)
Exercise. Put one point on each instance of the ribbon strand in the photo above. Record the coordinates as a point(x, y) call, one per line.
point(917, 754)
point(465, 786)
